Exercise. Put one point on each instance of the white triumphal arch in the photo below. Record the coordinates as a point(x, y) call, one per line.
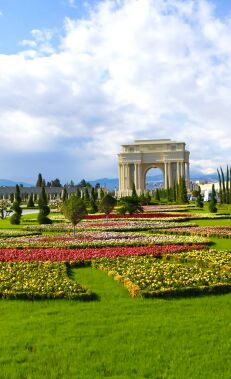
point(137, 158)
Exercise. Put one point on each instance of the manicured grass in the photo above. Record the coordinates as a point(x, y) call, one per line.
point(221, 243)
point(116, 337)
point(220, 222)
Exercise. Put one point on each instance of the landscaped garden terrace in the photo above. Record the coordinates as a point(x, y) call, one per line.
point(139, 279)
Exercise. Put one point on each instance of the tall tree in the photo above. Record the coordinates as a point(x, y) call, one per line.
point(223, 186)
point(107, 204)
point(213, 201)
point(227, 185)
point(74, 210)
point(199, 201)
point(44, 209)
point(39, 180)
point(16, 217)
point(64, 194)
point(220, 187)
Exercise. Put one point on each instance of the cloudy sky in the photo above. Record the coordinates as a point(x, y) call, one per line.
point(78, 79)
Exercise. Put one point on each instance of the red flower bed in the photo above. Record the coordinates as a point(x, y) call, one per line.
point(14, 255)
point(137, 215)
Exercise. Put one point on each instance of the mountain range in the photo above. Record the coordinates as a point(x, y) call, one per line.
point(114, 182)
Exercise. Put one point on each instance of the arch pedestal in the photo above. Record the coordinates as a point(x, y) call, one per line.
point(136, 159)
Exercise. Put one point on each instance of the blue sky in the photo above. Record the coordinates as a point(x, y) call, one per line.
point(78, 79)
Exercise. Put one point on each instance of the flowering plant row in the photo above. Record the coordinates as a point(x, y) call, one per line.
point(209, 231)
point(66, 255)
point(39, 280)
point(135, 216)
point(9, 233)
point(190, 272)
point(99, 239)
point(120, 225)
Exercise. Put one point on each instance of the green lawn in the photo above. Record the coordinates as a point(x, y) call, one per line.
point(116, 337)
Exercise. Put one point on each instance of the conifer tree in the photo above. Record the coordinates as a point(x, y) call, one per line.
point(223, 186)
point(101, 195)
point(157, 195)
point(44, 209)
point(39, 180)
point(78, 193)
point(30, 203)
point(199, 201)
point(134, 193)
point(15, 218)
point(213, 201)
point(227, 185)
point(220, 188)
point(64, 194)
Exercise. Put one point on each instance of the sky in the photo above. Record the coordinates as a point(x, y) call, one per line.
point(80, 78)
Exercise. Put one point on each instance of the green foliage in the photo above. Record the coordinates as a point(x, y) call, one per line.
point(101, 194)
point(39, 181)
point(182, 196)
point(107, 204)
point(74, 210)
point(78, 193)
point(64, 194)
point(131, 205)
point(213, 201)
point(199, 201)
point(93, 206)
point(134, 193)
point(17, 196)
point(30, 203)
point(15, 219)
point(44, 209)
point(157, 195)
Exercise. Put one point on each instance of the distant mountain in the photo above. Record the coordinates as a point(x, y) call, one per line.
point(111, 184)
point(11, 183)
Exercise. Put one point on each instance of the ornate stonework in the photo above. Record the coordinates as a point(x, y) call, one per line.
point(137, 158)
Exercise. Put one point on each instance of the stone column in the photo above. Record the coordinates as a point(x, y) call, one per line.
point(165, 175)
point(169, 174)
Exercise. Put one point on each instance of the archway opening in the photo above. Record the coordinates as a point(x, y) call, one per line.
point(154, 178)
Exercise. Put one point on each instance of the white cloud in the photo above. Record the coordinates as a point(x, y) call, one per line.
point(131, 69)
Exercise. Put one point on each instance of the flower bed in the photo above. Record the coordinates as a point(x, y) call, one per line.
point(208, 231)
point(135, 216)
point(39, 280)
point(121, 225)
point(5, 233)
point(99, 239)
point(66, 255)
point(195, 272)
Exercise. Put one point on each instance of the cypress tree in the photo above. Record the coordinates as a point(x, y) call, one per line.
point(174, 192)
point(78, 193)
point(157, 195)
point(64, 194)
point(220, 188)
point(213, 201)
point(101, 194)
point(39, 181)
point(30, 203)
point(227, 185)
point(134, 193)
point(230, 185)
point(199, 201)
point(44, 210)
point(16, 216)
point(93, 194)
point(223, 187)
